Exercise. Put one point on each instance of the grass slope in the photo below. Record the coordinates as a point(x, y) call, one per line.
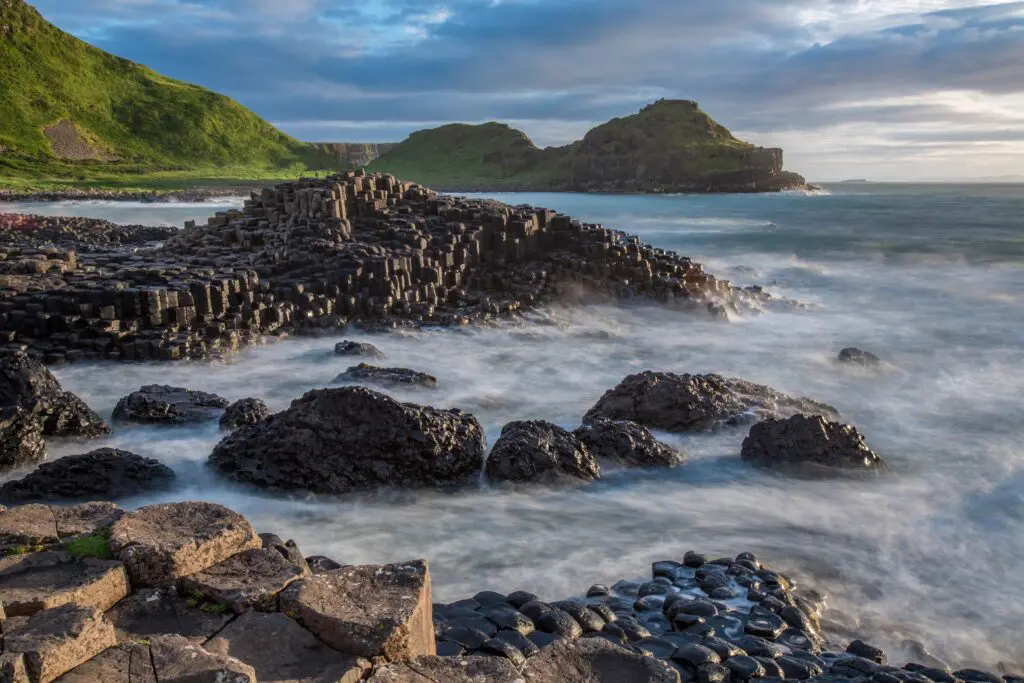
point(134, 121)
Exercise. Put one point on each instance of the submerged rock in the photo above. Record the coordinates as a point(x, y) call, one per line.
point(808, 440)
point(687, 403)
point(536, 451)
point(351, 348)
point(352, 438)
point(103, 473)
point(248, 411)
point(627, 443)
point(388, 377)
point(160, 404)
point(25, 382)
point(21, 438)
point(859, 357)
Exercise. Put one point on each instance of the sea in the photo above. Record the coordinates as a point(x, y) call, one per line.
point(928, 557)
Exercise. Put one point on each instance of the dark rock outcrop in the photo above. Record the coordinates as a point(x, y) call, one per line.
point(536, 451)
point(164, 405)
point(688, 403)
point(247, 411)
point(857, 356)
point(352, 438)
point(627, 443)
point(808, 440)
point(21, 438)
point(363, 349)
point(386, 377)
point(26, 382)
point(103, 473)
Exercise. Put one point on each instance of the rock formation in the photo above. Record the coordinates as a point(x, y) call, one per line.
point(536, 451)
point(248, 411)
point(805, 441)
point(26, 383)
point(627, 443)
point(164, 405)
point(106, 472)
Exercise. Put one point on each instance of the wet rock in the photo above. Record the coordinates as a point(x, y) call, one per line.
point(686, 403)
point(519, 598)
point(163, 405)
point(340, 440)
point(153, 612)
point(594, 659)
point(21, 438)
point(502, 648)
point(55, 641)
point(767, 626)
point(798, 669)
point(808, 441)
point(559, 623)
point(367, 611)
point(448, 670)
point(176, 660)
point(36, 581)
point(386, 377)
point(745, 667)
point(696, 655)
point(857, 356)
point(125, 663)
point(536, 451)
point(627, 443)
point(249, 580)
point(296, 656)
point(870, 652)
point(103, 473)
point(465, 636)
point(363, 349)
point(26, 383)
point(318, 564)
point(248, 411)
point(161, 543)
point(519, 641)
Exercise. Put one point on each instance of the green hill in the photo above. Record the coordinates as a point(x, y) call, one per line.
point(70, 111)
point(669, 146)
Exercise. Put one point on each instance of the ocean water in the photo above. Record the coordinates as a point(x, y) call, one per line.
point(928, 555)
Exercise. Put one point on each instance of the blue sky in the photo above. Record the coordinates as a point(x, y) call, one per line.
point(883, 89)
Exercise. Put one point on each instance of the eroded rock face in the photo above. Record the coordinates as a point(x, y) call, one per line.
point(248, 411)
point(246, 581)
point(448, 669)
point(103, 473)
point(25, 382)
point(808, 440)
point(597, 660)
point(386, 377)
point(176, 660)
point(33, 582)
point(361, 349)
point(57, 640)
point(159, 404)
point(627, 443)
point(352, 438)
point(21, 438)
point(537, 451)
point(689, 403)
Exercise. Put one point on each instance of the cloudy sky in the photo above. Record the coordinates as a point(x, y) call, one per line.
point(882, 89)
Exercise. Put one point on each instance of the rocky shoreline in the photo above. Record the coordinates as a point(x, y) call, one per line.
point(192, 194)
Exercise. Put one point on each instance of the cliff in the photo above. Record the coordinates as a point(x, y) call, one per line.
point(354, 154)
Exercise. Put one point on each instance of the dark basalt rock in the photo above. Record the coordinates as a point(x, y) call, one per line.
point(687, 403)
point(387, 377)
point(21, 438)
point(808, 440)
point(352, 438)
point(26, 382)
point(859, 357)
point(248, 411)
point(363, 349)
point(536, 451)
point(627, 443)
point(104, 473)
point(164, 405)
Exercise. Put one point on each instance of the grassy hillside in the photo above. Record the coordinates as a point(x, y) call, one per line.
point(72, 112)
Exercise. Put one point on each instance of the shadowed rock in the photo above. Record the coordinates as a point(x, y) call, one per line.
point(159, 404)
point(246, 581)
point(808, 440)
point(536, 451)
point(386, 377)
point(57, 640)
point(103, 473)
point(125, 663)
point(857, 356)
point(351, 438)
point(627, 443)
point(26, 382)
point(176, 660)
point(597, 661)
point(21, 438)
point(248, 411)
point(361, 349)
point(160, 611)
point(37, 581)
point(448, 669)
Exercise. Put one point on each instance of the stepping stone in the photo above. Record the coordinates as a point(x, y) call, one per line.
point(176, 660)
point(57, 640)
point(248, 580)
point(155, 612)
point(368, 611)
point(297, 656)
point(449, 670)
point(595, 659)
point(86, 518)
point(125, 663)
point(162, 543)
point(28, 525)
point(12, 668)
point(37, 581)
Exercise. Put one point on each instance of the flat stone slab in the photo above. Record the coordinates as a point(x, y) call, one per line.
point(248, 580)
point(28, 525)
point(367, 611)
point(296, 657)
point(595, 660)
point(449, 670)
point(57, 640)
point(125, 663)
point(85, 518)
point(37, 581)
point(176, 660)
point(161, 543)
point(155, 612)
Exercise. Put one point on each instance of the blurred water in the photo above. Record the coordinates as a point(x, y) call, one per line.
point(930, 278)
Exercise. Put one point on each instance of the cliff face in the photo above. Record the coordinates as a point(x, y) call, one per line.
point(355, 154)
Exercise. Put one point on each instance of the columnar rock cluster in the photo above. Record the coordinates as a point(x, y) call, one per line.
point(326, 253)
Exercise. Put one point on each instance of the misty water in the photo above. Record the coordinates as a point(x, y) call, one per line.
point(929, 278)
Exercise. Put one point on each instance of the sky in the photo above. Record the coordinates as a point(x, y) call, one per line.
point(877, 89)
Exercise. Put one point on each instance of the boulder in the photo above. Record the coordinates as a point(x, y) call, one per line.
point(161, 543)
point(340, 440)
point(248, 411)
point(176, 660)
point(164, 405)
point(246, 581)
point(627, 443)
point(386, 377)
point(57, 640)
point(476, 669)
point(33, 582)
point(857, 356)
point(362, 349)
point(808, 440)
point(21, 438)
point(125, 663)
point(153, 612)
point(536, 451)
point(367, 611)
point(297, 656)
point(688, 403)
point(26, 383)
point(596, 660)
point(103, 473)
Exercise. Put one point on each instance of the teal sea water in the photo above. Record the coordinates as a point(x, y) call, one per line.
point(930, 278)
